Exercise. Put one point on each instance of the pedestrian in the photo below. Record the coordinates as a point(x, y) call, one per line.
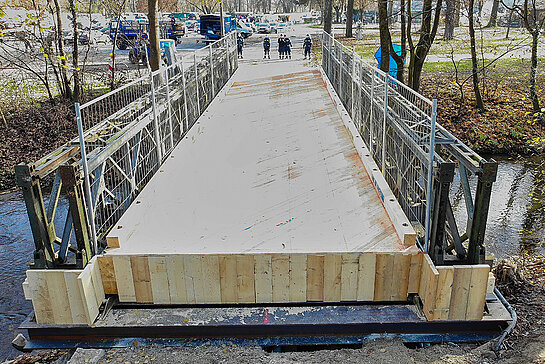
point(240, 44)
point(307, 45)
point(267, 47)
point(287, 41)
point(281, 46)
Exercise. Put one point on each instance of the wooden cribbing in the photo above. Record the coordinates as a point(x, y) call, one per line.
point(74, 296)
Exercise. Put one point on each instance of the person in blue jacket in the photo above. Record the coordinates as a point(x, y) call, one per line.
point(281, 46)
point(267, 48)
point(287, 41)
point(307, 45)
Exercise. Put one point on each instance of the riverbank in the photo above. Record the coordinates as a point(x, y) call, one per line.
point(30, 130)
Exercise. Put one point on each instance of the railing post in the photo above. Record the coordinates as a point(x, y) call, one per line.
point(211, 71)
point(384, 123)
point(169, 109)
point(352, 81)
point(372, 103)
point(197, 84)
point(184, 124)
point(156, 133)
point(340, 89)
point(87, 183)
point(429, 191)
point(360, 92)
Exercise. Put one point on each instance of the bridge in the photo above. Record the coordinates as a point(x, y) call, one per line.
point(219, 182)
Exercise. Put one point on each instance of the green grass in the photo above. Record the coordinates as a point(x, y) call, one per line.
point(504, 66)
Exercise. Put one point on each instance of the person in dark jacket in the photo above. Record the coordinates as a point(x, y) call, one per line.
point(281, 46)
point(307, 46)
point(240, 45)
point(267, 48)
point(287, 42)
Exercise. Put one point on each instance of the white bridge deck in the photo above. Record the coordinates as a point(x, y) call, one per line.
point(270, 167)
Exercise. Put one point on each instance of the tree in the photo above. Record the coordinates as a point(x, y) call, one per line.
point(328, 15)
point(418, 52)
point(155, 53)
point(76, 93)
point(533, 24)
point(474, 64)
point(385, 38)
point(349, 18)
point(66, 88)
point(450, 14)
point(493, 22)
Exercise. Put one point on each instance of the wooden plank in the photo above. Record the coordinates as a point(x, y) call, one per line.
point(384, 277)
point(491, 283)
point(74, 297)
point(176, 279)
point(228, 278)
point(414, 273)
point(444, 291)
point(280, 278)
point(477, 292)
point(245, 279)
point(107, 273)
point(460, 292)
point(41, 301)
point(87, 291)
point(58, 295)
point(263, 278)
point(349, 277)
point(26, 290)
point(142, 279)
point(298, 277)
point(159, 279)
point(332, 277)
point(123, 278)
point(112, 241)
point(366, 277)
point(193, 278)
point(400, 282)
point(211, 278)
point(97, 280)
point(315, 278)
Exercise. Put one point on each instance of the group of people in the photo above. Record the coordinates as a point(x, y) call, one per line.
point(284, 46)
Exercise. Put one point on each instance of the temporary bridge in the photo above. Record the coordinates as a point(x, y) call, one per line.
point(275, 202)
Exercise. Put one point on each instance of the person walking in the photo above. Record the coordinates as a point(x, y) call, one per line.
point(267, 47)
point(240, 45)
point(307, 45)
point(287, 41)
point(281, 46)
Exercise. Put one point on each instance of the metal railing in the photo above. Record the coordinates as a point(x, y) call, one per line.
point(417, 157)
point(126, 135)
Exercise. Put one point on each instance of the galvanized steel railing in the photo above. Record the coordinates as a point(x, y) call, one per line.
point(126, 134)
point(417, 156)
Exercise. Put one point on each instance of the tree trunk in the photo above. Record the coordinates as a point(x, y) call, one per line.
point(76, 93)
point(390, 12)
point(449, 19)
point(458, 8)
point(493, 22)
point(474, 64)
point(67, 93)
point(384, 35)
point(533, 72)
point(328, 15)
point(155, 52)
point(349, 18)
point(427, 36)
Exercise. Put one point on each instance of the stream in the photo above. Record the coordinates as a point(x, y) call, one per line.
point(516, 225)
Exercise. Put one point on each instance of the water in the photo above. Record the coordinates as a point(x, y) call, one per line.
point(516, 224)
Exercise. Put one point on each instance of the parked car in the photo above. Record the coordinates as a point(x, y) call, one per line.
point(274, 27)
point(263, 28)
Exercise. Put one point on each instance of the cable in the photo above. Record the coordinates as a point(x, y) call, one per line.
point(509, 328)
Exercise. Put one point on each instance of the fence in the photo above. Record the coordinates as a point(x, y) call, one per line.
point(417, 156)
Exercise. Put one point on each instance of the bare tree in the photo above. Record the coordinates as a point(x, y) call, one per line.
point(418, 52)
point(474, 63)
point(450, 14)
point(493, 21)
point(328, 15)
point(349, 18)
point(155, 52)
point(385, 38)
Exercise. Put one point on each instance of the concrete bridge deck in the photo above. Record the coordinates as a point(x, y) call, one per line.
point(270, 168)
